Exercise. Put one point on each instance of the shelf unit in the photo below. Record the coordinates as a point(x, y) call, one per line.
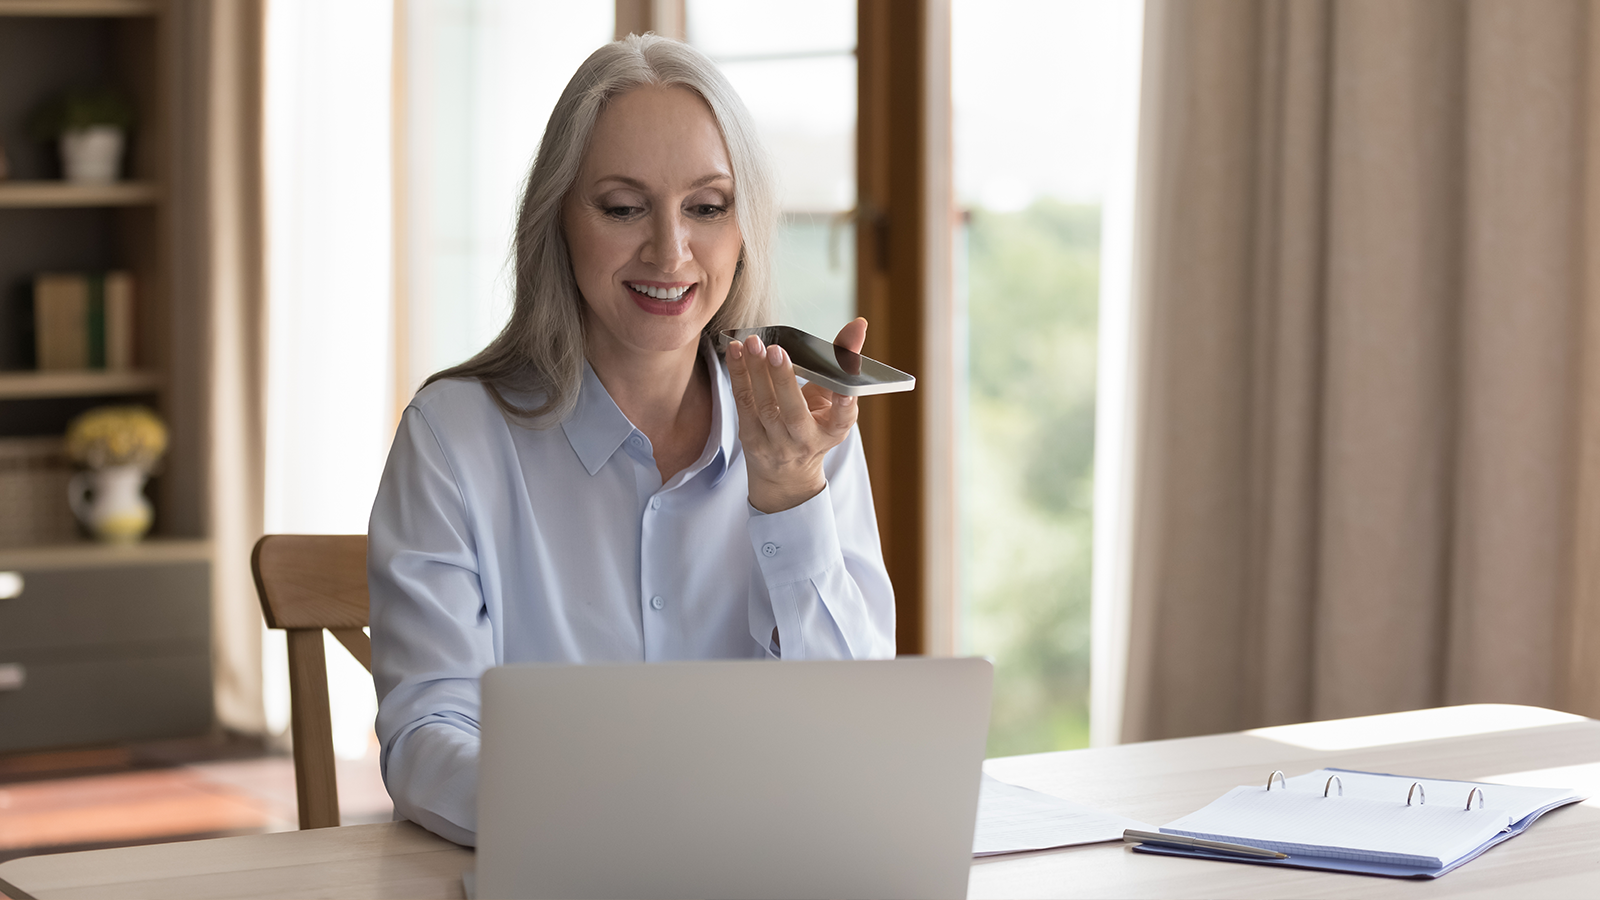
point(42, 194)
point(41, 385)
point(115, 638)
point(90, 555)
point(85, 8)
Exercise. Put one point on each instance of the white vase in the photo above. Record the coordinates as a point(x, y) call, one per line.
point(110, 502)
point(92, 155)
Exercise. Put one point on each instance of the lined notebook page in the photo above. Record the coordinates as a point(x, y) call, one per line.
point(1303, 823)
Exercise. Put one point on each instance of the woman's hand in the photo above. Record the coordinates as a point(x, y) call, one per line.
point(786, 430)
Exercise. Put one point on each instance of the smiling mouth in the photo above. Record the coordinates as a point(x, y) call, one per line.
point(664, 294)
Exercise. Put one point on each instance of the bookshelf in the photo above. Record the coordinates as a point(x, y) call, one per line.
point(97, 621)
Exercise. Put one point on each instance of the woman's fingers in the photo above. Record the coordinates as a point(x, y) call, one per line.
point(752, 390)
point(764, 396)
point(792, 406)
point(843, 414)
point(739, 375)
point(768, 394)
point(853, 335)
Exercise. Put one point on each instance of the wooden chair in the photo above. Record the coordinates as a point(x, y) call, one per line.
point(308, 582)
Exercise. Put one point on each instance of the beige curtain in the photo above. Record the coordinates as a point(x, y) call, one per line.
point(1370, 361)
point(219, 278)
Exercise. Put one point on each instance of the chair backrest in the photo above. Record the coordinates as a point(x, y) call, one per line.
point(308, 582)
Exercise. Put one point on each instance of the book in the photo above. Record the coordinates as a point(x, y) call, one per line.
point(119, 331)
point(1365, 822)
point(61, 321)
point(83, 320)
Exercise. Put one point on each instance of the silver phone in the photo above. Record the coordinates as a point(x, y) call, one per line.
point(825, 363)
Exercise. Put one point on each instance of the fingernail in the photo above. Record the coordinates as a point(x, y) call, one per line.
point(734, 349)
point(846, 400)
point(759, 346)
point(776, 356)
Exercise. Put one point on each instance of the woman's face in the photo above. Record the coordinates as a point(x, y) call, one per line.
point(650, 221)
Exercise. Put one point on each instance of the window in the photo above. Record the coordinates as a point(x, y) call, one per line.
point(796, 71)
point(480, 78)
point(1045, 98)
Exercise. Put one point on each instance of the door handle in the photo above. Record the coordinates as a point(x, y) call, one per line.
point(12, 676)
point(10, 585)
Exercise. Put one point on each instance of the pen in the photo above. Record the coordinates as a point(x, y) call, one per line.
point(1178, 840)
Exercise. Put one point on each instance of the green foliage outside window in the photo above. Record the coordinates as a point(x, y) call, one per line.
point(1028, 479)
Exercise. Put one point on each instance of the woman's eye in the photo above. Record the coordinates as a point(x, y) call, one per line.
point(620, 212)
point(707, 210)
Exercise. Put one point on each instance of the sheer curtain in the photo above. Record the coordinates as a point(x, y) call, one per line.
point(1366, 459)
point(329, 405)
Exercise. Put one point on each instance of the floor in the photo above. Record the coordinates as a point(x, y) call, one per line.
point(164, 791)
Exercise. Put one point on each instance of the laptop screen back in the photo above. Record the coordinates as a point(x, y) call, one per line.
point(731, 779)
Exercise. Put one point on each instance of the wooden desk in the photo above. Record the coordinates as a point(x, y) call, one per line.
point(1559, 856)
point(1157, 782)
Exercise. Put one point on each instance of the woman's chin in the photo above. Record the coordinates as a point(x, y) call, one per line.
point(662, 335)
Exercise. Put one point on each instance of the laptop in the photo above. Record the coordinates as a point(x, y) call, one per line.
point(748, 779)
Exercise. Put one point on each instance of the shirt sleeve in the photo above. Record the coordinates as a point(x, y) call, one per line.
point(820, 579)
point(431, 635)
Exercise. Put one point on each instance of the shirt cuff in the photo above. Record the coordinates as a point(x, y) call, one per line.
point(795, 544)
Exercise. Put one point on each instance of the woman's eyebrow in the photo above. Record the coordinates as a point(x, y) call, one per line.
point(635, 183)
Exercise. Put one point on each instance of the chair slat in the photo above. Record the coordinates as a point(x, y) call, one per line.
point(356, 641)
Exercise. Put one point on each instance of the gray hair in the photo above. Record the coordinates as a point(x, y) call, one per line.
point(541, 348)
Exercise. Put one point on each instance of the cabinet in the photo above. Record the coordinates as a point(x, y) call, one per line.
point(103, 643)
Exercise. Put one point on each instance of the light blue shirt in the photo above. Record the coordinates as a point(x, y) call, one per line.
point(492, 542)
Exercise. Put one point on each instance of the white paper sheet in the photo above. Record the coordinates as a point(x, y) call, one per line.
point(1013, 819)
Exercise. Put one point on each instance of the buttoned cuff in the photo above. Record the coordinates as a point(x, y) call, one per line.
point(795, 544)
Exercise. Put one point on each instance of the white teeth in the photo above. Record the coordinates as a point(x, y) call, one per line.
point(672, 293)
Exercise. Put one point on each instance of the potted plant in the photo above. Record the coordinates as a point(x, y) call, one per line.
point(120, 445)
point(92, 126)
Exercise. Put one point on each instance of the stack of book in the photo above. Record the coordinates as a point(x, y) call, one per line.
point(83, 320)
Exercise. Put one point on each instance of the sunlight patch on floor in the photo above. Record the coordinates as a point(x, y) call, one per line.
point(251, 795)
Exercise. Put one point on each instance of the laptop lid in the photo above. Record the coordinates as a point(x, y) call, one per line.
point(748, 779)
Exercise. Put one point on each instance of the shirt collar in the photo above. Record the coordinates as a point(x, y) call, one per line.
point(597, 427)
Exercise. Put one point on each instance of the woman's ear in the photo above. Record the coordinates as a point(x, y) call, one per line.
point(739, 266)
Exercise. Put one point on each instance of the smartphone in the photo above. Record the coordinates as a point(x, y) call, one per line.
point(825, 363)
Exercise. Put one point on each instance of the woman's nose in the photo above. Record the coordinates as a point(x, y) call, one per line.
point(668, 247)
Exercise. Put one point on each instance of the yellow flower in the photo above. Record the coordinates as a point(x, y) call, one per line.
point(117, 436)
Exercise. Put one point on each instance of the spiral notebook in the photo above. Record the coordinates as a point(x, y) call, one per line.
point(1365, 822)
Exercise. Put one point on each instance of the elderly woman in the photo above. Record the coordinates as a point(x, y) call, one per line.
point(597, 485)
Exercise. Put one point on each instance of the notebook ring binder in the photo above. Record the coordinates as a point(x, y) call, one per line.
point(1421, 795)
point(1332, 779)
point(1277, 775)
point(1479, 792)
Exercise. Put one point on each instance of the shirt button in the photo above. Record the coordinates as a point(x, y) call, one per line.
point(657, 603)
point(655, 502)
point(635, 440)
point(769, 549)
